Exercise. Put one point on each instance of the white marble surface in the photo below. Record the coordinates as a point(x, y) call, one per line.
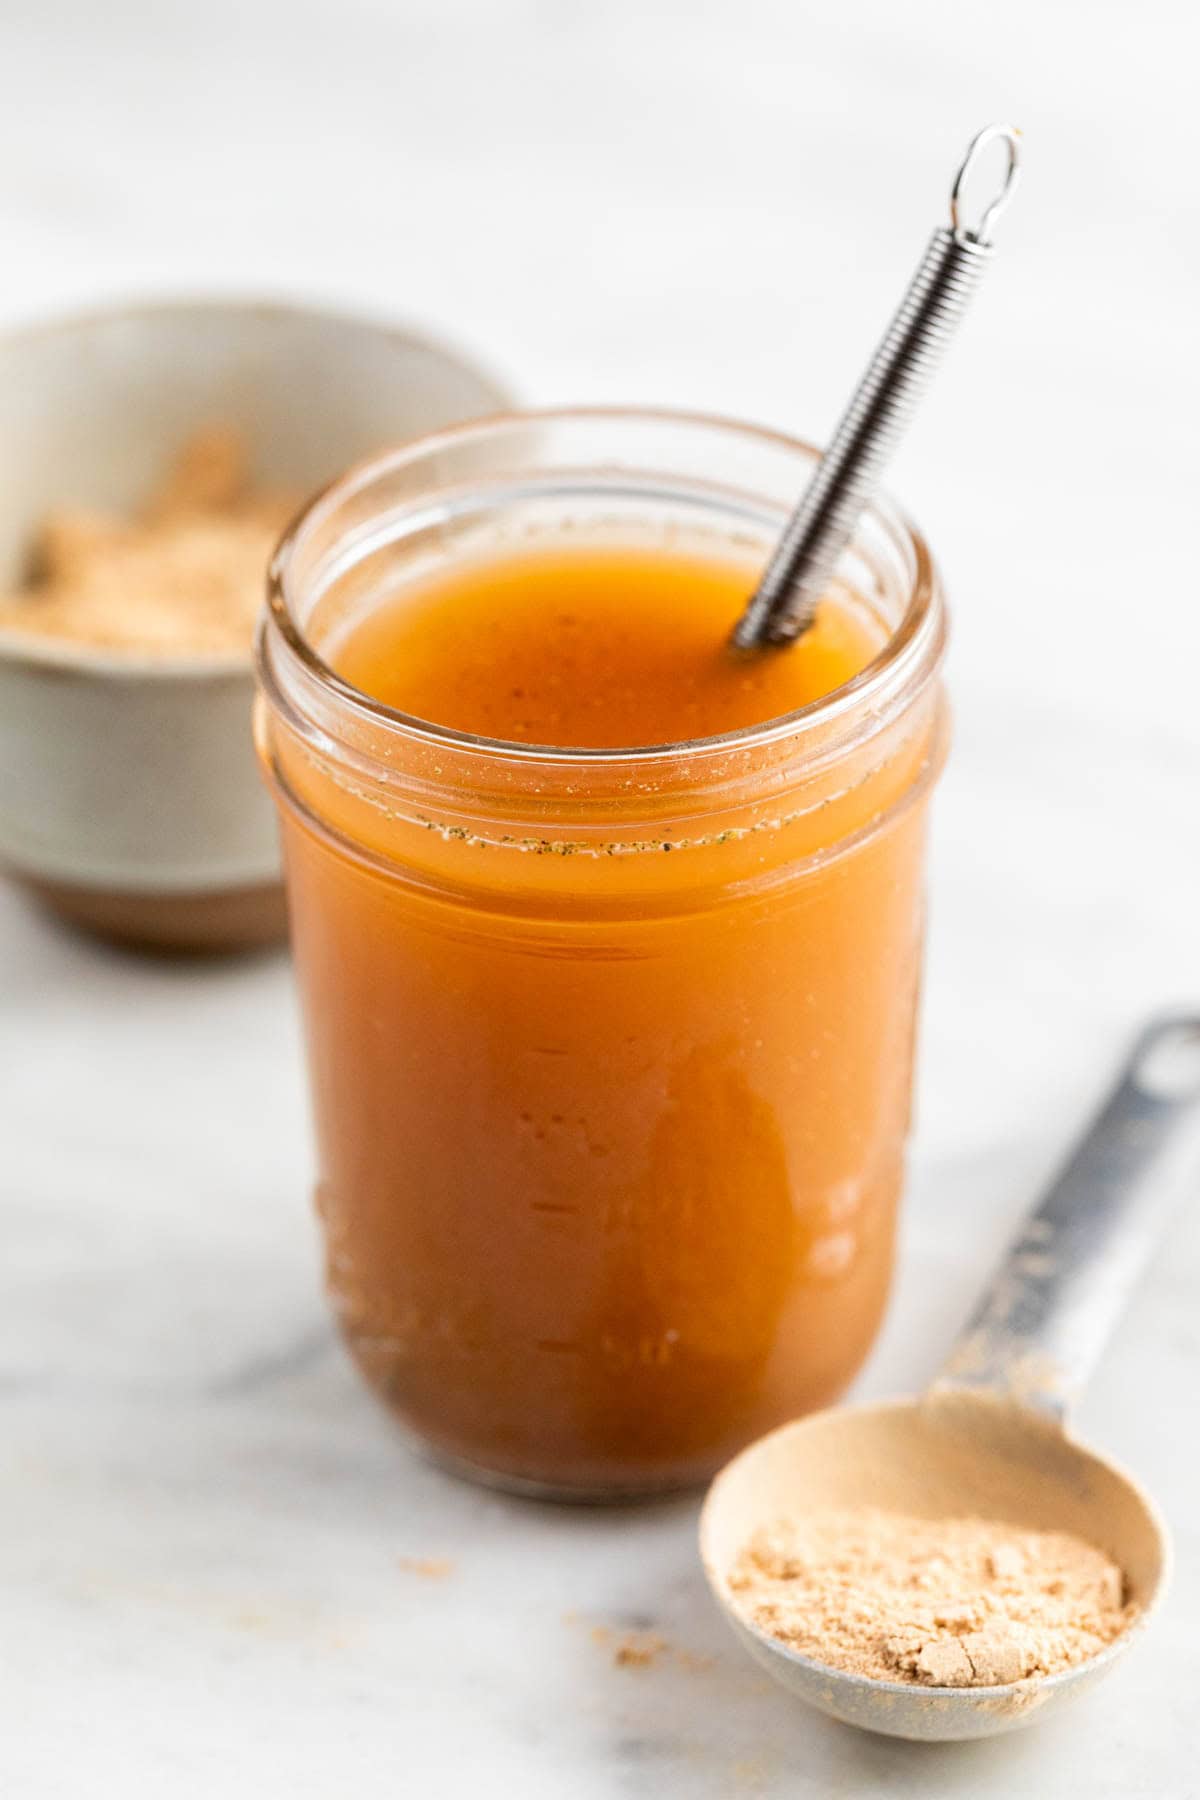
point(201, 1516)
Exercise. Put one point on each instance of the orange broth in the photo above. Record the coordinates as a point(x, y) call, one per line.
point(611, 1140)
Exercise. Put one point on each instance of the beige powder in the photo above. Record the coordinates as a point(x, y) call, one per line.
point(943, 1602)
point(184, 576)
point(639, 1650)
point(429, 1568)
point(643, 1649)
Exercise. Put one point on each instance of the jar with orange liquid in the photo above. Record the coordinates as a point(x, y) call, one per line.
point(608, 940)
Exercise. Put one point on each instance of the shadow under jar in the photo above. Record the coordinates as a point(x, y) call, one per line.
point(611, 1049)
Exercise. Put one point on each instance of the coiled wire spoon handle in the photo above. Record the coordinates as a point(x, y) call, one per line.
point(848, 474)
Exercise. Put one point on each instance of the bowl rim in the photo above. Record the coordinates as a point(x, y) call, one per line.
point(63, 655)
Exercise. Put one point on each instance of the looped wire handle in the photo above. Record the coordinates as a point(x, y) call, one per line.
point(847, 476)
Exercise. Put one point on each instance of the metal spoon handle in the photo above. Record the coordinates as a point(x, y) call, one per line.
point(848, 474)
point(1042, 1323)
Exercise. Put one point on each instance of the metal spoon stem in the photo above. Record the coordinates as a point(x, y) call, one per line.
point(848, 474)
point(1037, 1331)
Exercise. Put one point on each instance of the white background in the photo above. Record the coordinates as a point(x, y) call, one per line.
point(714, 206)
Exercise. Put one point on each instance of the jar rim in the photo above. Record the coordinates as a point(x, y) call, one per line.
point(914, 644)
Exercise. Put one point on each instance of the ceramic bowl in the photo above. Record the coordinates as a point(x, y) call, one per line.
point(129, 795)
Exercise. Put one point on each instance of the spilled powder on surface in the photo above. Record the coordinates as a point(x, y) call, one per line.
point(964, 1602)
point(639, 1650)
point(644, 1649)
point(429, 1568)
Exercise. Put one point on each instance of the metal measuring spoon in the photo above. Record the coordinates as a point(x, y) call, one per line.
point(989, 1438)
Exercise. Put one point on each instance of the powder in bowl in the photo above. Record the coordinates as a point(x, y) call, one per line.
point(184, 576)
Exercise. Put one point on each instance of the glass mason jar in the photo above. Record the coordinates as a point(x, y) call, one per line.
point(611, 1140)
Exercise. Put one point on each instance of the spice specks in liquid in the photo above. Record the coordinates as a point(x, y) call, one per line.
point(601, 647)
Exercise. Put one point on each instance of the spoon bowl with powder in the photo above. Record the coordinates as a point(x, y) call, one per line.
point(952, 1566)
